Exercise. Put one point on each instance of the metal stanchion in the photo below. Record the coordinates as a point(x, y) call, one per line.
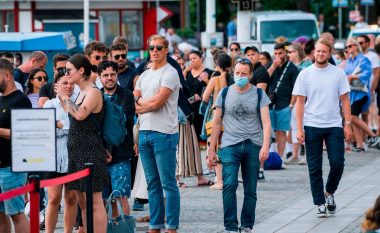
point(89, 201)
point(35, 204)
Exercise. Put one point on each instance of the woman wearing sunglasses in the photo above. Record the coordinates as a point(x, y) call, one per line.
point(358, 70)
point(37, 78)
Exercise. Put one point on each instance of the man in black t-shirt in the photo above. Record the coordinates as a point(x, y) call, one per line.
point(127, 76)
point(283, 75)
point(10, 98)
point(47, 90)
point(260, 74)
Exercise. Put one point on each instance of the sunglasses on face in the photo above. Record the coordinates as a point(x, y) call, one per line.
point(349, 46)
point(40, 78)
point(158, 47)
point(97, 57)
point(118, 56)
point(61, 70)
point(67, 71)
point(361, 42)
point(234, 49)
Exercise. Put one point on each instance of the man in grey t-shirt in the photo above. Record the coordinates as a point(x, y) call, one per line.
point(245, 142)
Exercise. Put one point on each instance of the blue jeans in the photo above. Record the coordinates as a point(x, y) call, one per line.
point(245, 154)
point(334, 139)
point(158, 157)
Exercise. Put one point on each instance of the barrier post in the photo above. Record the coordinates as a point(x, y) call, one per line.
point(35, 204)
point(89, 200)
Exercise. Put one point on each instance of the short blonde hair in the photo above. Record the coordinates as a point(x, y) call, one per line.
point(158, 37)
point(324, 42)
point(355, 42)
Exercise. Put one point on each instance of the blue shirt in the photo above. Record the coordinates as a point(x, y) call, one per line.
point(363, 65)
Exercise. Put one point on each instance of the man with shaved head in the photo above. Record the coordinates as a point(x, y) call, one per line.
point(37, 59)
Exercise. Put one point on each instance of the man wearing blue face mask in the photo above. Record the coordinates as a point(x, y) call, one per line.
point(243, 110)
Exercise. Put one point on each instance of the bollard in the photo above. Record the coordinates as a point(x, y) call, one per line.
point(89, 201)
point(35, 204)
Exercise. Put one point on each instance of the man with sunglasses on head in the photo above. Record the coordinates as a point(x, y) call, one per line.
point(37, 60)
point(245, 142)
point(96, 52)
point(127, 76)
point(283, 75)
point(156, 97)
point(47, 90)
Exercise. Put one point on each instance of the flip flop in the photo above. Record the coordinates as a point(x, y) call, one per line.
point(209, 183)
point(181, 185)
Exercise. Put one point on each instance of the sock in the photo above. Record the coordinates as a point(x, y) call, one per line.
point(289, 148)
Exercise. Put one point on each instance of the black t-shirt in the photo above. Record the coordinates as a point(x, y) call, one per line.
point(47, 90)
point(124, 151)
point(20, 77)
point(284, 91)
point(126, 78)
point(196, 85)
point(260, 75)
point(131, 64)
point(16, 99)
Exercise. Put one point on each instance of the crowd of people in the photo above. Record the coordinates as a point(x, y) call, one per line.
point(299, 101)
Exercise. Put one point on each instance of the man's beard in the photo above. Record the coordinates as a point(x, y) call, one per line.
point(324, 62)
point(122, 66)
point(110, 88)
point(3, 86)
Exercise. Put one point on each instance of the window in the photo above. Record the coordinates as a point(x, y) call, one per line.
point(290, 29)
point(109, 26)
point(7, 18)
point(132, 28)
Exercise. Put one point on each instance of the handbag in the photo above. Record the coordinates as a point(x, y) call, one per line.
point(357, 84)
point(122, 223)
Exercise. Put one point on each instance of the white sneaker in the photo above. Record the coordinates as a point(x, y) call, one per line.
point(303, 161)
point(291, 160)
point(27, 209)
point(283, 166)
point(322, 213)
point(245, 230)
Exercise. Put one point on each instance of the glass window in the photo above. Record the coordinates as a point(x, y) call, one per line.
point(290, 29)
point(132, 28)
point(108, 26)
point(10, 21)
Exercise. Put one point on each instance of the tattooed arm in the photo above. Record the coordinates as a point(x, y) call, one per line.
point(92, 103)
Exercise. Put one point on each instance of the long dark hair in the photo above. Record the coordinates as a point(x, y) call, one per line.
point(79, 60)
point(224, 61)
point(372, 217)
point(29, 86)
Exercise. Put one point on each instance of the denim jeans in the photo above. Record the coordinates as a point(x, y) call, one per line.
point(10, 180)
point(334, 139)
point(245, 154)
point(158, 157)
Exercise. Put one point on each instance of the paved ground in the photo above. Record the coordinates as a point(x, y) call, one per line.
point(284, 201)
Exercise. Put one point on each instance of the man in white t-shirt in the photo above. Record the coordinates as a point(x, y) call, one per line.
point(156, 97)
point(323, 87)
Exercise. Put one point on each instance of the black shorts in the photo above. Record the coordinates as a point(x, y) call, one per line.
point(357, 106)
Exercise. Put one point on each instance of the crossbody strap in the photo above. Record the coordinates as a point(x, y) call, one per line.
point(259, 95)
point(224, 95)
point(282, 76)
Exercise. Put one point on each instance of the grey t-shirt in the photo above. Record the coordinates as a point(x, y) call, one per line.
point(241, 120)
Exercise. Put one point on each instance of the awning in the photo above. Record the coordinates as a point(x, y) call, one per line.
point(33, 41)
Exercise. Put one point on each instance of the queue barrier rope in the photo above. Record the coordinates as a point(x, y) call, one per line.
point(33, 189)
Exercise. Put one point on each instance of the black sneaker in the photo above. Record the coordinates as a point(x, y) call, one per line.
point(322, 213)
point(330, 204)
point(261, 176)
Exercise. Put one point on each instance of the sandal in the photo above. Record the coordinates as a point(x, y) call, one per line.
point(181, 185)
point(143, 219)
point(209, 183)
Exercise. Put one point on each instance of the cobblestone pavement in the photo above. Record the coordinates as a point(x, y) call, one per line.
point(202, 208)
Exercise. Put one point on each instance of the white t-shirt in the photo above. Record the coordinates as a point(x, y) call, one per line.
point(375, 61)
point(165, 119)
point(322, 88)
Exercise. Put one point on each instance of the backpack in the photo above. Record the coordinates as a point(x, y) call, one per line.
point(112, 129)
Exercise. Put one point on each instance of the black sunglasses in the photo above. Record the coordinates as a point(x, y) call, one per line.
point(349, 46)
point(234, 49)
point(361, 42)
point(61, 70)
point(118, 56)
point(40, 78)
point(97, 57)
point(67, 71)
point(158, 47)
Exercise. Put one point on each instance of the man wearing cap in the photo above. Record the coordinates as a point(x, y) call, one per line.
point(260, 79)
point(283, 75)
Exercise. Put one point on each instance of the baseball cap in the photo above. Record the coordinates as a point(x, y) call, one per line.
point(251, 48)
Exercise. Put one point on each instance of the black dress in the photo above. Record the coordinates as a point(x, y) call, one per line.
point(196, 86)
point(86, 146)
